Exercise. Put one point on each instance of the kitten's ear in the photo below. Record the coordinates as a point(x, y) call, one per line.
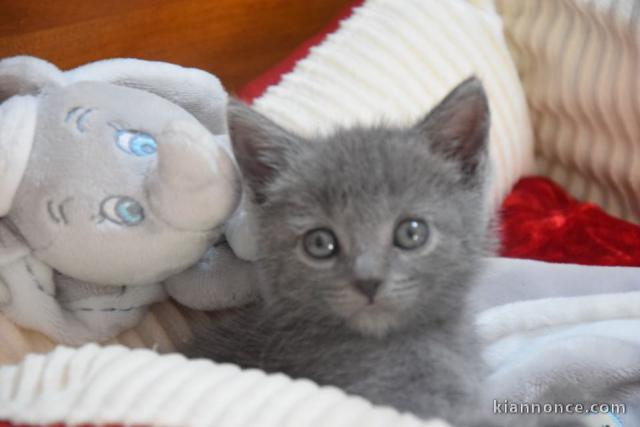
point(458, 127)
point(260, 146)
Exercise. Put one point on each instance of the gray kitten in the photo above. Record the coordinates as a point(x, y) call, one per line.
point(370, 239)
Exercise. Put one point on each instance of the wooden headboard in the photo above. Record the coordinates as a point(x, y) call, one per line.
point(235, 39)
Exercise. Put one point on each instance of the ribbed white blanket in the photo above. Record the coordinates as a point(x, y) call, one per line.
point(139, 387)
point(542, 324)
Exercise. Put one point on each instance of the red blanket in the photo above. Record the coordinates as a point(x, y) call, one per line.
point(541, 221)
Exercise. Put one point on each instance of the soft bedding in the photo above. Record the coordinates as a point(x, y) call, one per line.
point(118, 386)
point(563, 327)
point(392, 62)
point(538, 336)
point(579, 62)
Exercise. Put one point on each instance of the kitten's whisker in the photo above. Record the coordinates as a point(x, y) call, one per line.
point(338, 293)
point(404, 289)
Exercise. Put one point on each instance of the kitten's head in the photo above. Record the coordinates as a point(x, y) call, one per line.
point(370, 226)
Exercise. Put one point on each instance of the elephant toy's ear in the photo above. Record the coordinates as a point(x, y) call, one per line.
point(22, 75)
point(17, 127)
point(197, 91)
point(20, 78)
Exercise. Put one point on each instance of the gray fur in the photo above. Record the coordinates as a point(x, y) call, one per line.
point(414, 347)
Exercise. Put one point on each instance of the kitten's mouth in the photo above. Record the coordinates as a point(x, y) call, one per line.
point(355, 304)
point(373, 315)
point(376, 309)
point(374, 320)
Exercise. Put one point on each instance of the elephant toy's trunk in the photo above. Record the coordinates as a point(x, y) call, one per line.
point(195, 185)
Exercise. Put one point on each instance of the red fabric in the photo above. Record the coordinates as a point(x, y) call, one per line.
point(541, 221)
point(257, 86)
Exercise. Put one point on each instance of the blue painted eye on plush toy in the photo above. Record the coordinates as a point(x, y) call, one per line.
point(139, 144)
point(122, 210)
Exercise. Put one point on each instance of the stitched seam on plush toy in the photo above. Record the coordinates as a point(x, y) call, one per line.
point(50, 211)
point(36, 281)
point(70, 113)
point(80, 122)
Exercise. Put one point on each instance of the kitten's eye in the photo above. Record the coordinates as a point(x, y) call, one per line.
point(320, 243)
point(411, 234)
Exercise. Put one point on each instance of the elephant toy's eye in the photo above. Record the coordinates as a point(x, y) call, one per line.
point(122, 210)
point(137, 143)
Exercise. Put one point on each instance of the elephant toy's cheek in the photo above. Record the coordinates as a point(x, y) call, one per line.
point(241, 231)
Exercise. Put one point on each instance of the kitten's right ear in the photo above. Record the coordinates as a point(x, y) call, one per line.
point(458, 128)
point(259, 145)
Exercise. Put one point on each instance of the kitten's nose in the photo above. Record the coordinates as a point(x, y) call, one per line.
point(368, 287)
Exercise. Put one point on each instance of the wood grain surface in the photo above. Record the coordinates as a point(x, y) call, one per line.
point(235, 39)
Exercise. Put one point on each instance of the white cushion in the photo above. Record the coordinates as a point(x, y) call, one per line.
point(580, 65)
point(395, 60)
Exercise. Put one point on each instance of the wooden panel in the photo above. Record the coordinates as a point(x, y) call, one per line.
point(235, 39)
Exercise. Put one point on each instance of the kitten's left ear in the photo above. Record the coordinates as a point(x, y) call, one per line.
point(261, 147)
point(458, 127)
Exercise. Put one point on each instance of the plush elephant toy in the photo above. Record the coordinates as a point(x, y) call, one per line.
point(114, 177)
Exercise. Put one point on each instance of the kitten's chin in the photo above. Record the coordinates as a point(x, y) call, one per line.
point(374, 322)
